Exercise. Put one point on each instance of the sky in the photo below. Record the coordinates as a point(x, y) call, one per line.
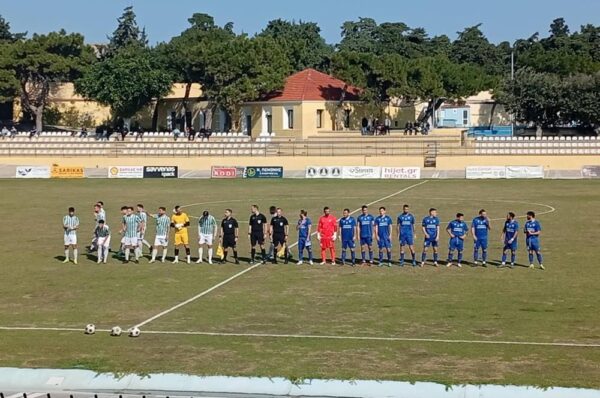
point(502, 19)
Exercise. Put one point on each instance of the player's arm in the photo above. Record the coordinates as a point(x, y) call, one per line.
point(376, 231)
point(265, 229)
point(438, 233)
point(172, 222)
point(473, 232)
point(503, 236)
point(237, 233)
point(187, 222)
point(449, 230)
point(249, 229)
point(424, 231)
point(287, 231)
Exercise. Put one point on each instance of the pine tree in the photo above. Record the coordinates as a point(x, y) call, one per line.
point(127, 33)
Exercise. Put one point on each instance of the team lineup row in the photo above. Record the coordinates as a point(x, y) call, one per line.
point(366, 229)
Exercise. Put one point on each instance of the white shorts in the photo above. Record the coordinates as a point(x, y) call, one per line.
point(70, 239)
point(206, 239)
point(104, 242)
point(130, 241)
point(161, 241)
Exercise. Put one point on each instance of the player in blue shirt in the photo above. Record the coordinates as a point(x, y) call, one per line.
point(406, 234)
point(383, 231)
point(533, 230)
point(431, 232)
point(303, 227)
point(479, 229)
point(510, 233)
point(365, 230)
point(458, 231)
point(348, 231)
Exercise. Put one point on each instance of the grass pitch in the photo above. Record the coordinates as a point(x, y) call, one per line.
point(520, 305)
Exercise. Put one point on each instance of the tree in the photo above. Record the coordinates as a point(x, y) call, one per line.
point(125, 82)
point(302, 43)
point(581, 100)
point(5, 33)
point(32, 65)
point(359, 36)
point(242, 70)
point(127, 33)
point(473, 47)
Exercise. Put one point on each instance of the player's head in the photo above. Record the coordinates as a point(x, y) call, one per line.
point(405, 208)
point(130, 210)
point(254, 209)
point(205, 213)
point(530, 215)
point(123, 210)
point(97, 208)
point(279, 211)
point(177, 210)
point(326, 210)
point(433, 212)
point(228, 213)
point(272, 210)
point(365, 209)
point(482, 213)
point(71, 211)
point(101, 223)
point(510, 216)
point(162, 211)
point(140, 207)
point(100, 203)
point(346, 212)
point(460, 216)
point(303, 213)
point(382, 210)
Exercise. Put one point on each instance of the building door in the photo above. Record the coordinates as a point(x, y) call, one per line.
point(248, 124)
point(269, 123)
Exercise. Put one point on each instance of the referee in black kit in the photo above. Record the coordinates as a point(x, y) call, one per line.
point(279, 234)
point(229, 235)
point(257, 231)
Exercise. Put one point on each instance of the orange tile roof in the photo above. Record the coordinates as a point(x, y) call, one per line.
point(312, 85)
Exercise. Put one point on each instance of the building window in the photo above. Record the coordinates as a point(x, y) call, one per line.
point(290, 117)
point(347, 118)
point(319, 118)
point(465, 117)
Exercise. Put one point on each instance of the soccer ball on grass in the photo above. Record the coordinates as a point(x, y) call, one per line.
point(135, 332)
point(116, 331)
point(90, 329)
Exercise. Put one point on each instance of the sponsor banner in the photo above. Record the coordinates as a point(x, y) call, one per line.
point(33, 172)
point(323, 172)
point(67, 172)
point(590, 171)
point(223, 172)
point(524, 172)
point(161, 172)
point(401, 173)
point(360, 172)
point(484, 172)
point(263, 172)
point(126, 172)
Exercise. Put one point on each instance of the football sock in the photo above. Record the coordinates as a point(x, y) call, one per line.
point(380, 256)
point(323, 251)
point(362, 253)
point(154, 253)
point(332, 253)
point(224, 255)
point(343, 256)
point(263, 253)
point(484, 256)
point(389, 256)
point(100, 254)
point(164, 254)
point(460, 256)
point(310, 254)
point(76, 252)
point(235, 256)
point(402, 257)
point(540, 258)
point(423, 257)
point(127, 251)
point(252, 254)
point(353, 253)
point(210, 254)
point(530, 258)
point(176, 254)
point(503, 257)
point(450, 257)
point(513, 258)
point(187, 251)
point(435, 257)
point(66, 254)
point(371, 255)
point(476, 255)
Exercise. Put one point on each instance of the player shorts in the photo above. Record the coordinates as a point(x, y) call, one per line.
point(103, 242)
point(366, 241)
point(533, 244)
point(278, 240)
point(70, 239)
point(407, 239)
point(457, 244)
point(348, 244)
point(257, 238)
point(326, 243)
point(384, 243)
point(303, 243)
point(430, 242)
point(510, 246)
point(161, 240)
point(128, 241)
point(481, 244)
point(182, 238)
point(229, 241)
point(206, 239)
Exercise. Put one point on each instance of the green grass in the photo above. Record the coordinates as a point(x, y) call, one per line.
point(558, 305)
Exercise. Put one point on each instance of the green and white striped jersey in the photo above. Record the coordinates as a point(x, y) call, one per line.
point(144, 217)
point(102, 232)
point(69, 223)
point(132, 224)
point(207, 225)
point(163, 223)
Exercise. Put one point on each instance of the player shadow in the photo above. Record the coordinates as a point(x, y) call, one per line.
point(59, 258)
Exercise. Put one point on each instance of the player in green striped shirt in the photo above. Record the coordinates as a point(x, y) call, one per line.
point(132, 226)
point(163, 224)
point(144, 216)
point(70, 225)
point(102, 234)
point(207, 231)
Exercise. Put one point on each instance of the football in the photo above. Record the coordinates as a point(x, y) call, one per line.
point(90, 329)
point(134, 332)
point(116, 331)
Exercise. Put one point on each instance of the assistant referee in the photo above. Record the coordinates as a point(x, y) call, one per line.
point(279, 234)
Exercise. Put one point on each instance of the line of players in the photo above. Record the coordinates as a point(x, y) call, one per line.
point(366, 229)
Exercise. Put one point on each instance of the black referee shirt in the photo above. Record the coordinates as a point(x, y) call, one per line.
point(228, 226)
point(278, 224)
point(257, 223)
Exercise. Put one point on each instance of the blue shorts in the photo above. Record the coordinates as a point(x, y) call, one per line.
point(368, 241)
point(303, 243)
point(457, 244)
point(348, 244)
point(533, 244)
point(384, 243)
point(430, 242)
point(407, 239)
point(511, 246)
point(481, 244)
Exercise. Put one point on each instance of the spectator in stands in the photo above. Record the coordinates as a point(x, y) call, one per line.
point(365, 125)
point(205, 133)
point(84, 133)
point(33, 133)
point(74, 133)
point(407, 128)
point(387, 123)
point(176, 133)
point(140, 134)
point(5, 132)
point(191, 134)
point(13, 132)
point(426, 128)
point(124, 133)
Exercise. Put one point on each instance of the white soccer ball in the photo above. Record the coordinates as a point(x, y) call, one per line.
point(116, 331)
point(135, 332)
point(90, 329)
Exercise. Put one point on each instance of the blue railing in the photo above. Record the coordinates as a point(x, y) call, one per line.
point(486, 131)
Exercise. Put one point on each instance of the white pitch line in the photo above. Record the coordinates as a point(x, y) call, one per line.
point(46, 329)
point(196, 297)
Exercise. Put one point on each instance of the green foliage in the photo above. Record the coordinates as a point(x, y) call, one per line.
point(70, 117)
point(127, 33)
point(125, 82)
point(5, 33)
point(472, 47)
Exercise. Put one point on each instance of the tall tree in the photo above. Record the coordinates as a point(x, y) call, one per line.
point(127, 32)
point(5, 33)
point(359, 36)
point(302, 43)
point(32, 65)
point(474, 48)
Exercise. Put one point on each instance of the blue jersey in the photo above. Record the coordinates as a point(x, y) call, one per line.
point(365, 224)
point(303, 227)
point(511, 230)
point(458, 228)
point(384, 226)
point(532, 226)
point(481, 227)
point(347, 228)
point(431, 224)
point(406, 221)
